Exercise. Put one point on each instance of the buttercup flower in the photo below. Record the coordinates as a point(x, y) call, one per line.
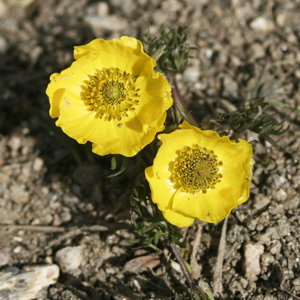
point(198, 174)
point(110, 96)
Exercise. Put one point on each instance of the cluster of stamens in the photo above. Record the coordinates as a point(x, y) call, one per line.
point(111, 93)
point(196, 169)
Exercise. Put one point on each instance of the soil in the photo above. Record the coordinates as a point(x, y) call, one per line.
point(55, 193)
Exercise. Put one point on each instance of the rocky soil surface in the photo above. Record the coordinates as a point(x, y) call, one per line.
point(64, 226)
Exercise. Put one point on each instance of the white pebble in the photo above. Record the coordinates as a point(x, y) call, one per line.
point(38, 164)
point(30, 283)
point(102, 9)
point(3, 9)
point(252, 254)
point(191, 74)
point(262, 24)
point(281, 19)
point(69, 258)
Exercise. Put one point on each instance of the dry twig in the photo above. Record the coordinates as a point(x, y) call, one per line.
point(217, 284)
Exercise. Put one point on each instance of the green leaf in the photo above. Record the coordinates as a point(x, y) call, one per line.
point(134, 241)
point(276, 103)
point(188, 266)
point(125, 162)
point(210, 296)
point(113, 162)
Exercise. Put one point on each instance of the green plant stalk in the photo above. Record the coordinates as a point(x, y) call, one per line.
point(194, 289)
point(180, 104)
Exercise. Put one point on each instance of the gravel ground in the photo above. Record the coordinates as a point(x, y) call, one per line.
point(57, 207)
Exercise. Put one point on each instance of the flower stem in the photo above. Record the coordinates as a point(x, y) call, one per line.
point(194, 289)
point(180, 104)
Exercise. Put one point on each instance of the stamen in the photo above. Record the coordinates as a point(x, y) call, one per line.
point(196, 169)
point(111, 93)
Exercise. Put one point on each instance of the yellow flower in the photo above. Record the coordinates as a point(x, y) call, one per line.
point(198, 174)
point(110, 96)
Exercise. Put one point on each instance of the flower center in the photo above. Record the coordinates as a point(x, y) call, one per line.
point(196, 169)
point(111, 93)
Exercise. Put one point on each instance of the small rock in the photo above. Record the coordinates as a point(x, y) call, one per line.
point(252, 253)
point(4, 257)
point(296, 180)
point(280, 195)
point(236, 39)
point(69, 258)
point(237, 287)
point(191, 74)
point(269, 297)
point(102, 9)
point(127, 7)
point(65, 215)
point(15, 143)
point(276, 247)
point(258, 51)
point(209, 53)
point(3, 9)
point(292, 38)
point(142, 263)
point(296, 284)
point(18, 193)
point(278, 180)
point(38, 164)
point(29, 283)
point(111, 23)
point(281, 19)
point(262, 24)
point(292, 201)
point(230, 87)
point(266, 260)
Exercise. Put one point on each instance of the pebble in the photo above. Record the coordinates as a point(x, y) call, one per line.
point(191, 74)
point(281, 19)
point(296, 178)
point(65, 215)
point(102, 9)
point(278, 180)
point(269, 297)
point(292, 201)
point(18, 193)
point(15, 143)
point(276, 247)
point(38, 164)
point(31, 282)
point(281, 195)
point(4, 256)
point(69, 258)
point(257, 51)
point(296, 284)
point(266, 260)
point(262, 24)
point(3, 9)
point(230, 87)
point(127, 7)
point(111, 23)
point(252, 254)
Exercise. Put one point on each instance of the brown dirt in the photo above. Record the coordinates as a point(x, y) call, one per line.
point(43, 183)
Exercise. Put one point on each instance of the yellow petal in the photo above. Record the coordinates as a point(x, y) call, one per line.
point(124, 53)
point(211, 207)
point(69, 79)
point(162, 192)
point(115, 129)
point(178, 219)
point(215, 203)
